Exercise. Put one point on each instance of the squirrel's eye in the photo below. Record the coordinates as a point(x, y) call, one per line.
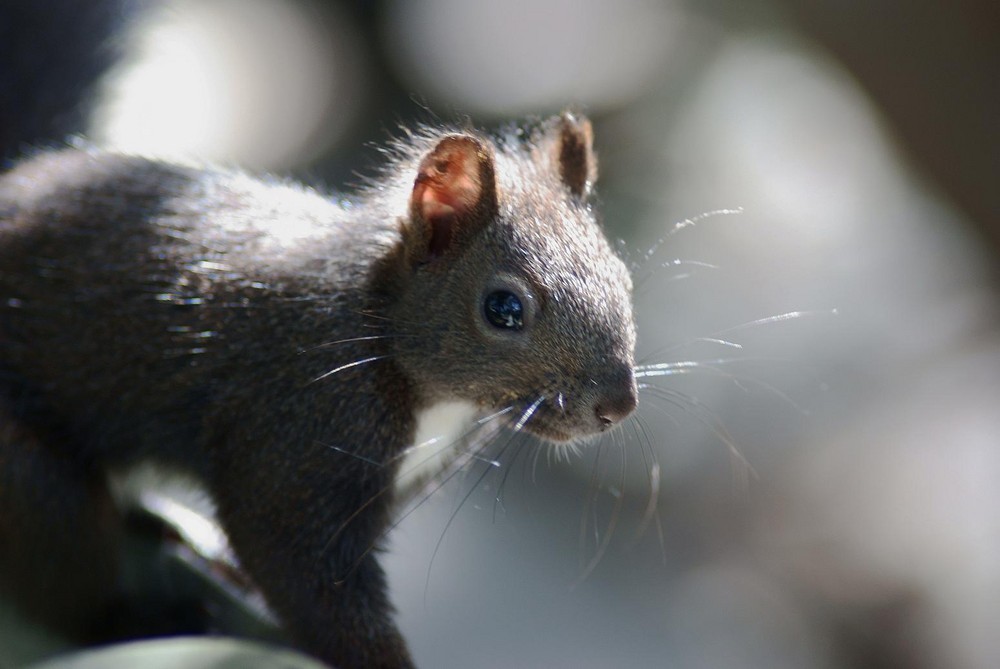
point(503, 309)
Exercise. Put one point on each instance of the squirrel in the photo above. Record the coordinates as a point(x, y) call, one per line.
point(284, 348)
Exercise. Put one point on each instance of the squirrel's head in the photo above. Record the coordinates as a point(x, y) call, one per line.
point(507, 293)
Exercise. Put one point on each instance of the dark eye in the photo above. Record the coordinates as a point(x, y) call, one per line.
point(503, 309)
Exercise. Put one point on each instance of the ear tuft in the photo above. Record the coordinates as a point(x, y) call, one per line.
point(455, 188)
point(575, 153)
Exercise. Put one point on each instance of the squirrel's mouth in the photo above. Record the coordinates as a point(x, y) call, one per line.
point(588, 415)
point(541, 421)
point(547, 432)
point(555, 426)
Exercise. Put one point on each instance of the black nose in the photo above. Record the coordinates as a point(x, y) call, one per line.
point(617, 400)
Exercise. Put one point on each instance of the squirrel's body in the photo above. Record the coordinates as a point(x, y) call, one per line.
point(280, 347)
point(159, 312)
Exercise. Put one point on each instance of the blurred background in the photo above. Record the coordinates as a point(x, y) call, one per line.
point(807, 191)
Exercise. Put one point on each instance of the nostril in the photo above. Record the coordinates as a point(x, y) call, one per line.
point(616, 395)
point(616, 405)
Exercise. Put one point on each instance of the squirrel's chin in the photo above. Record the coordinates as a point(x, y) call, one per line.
point(557, 434)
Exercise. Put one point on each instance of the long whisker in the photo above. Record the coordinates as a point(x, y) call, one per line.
point(349, 340)
point(676, 262)
point(349, 365)
point(707, 418)
point(711, 367)
point(681, 225)
point(686, 366)
point(719, 341)
point(498, 500)
point(528, 413)
point(479, 424)
point(653, 476)
point(779, 318)
point(353, 454)
point(534, 465)
point(590, 504)
point(379, 317)
point(616, 513)
point(717, 337)
point(430, 493)
point(454, 514)
point(525, 416)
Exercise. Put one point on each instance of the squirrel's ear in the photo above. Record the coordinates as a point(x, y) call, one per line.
point(575, 153)
point(454, 193)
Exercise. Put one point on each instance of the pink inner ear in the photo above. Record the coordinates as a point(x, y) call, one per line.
point(432, 207)
point(448, 194)
point(451, 182)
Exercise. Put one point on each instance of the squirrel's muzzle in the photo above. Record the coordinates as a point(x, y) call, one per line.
point(617, 398)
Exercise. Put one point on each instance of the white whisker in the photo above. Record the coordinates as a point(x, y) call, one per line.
point(711, 367)
point(706, 417)
point(458, 508)
point(779, 318)
point(439, 483)
point(498, 501)
point(681, 225)
point(353, 454)
point(356, 363)
point(720, 342)
point(682, 367)
point(716, 337)
point(353, 339)
point(494, 416)
point(528, 413)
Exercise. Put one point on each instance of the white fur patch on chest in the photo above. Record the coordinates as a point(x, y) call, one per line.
point(441, 436)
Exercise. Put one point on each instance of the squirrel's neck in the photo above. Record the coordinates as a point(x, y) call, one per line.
point(443, 432)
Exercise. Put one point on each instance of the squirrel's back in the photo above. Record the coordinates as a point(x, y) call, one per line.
point(136, 291)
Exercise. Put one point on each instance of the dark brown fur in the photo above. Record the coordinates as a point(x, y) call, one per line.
point(191, 317)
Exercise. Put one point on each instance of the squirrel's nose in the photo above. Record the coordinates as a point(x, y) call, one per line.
point(618, 399)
